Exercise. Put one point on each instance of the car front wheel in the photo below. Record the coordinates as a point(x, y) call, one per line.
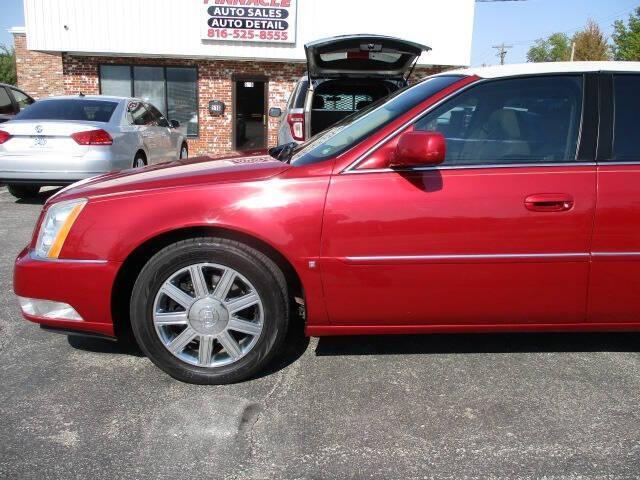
point(210, 310)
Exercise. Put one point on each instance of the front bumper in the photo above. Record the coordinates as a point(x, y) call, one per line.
point(84, 285)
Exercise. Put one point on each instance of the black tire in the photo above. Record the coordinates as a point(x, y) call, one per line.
point(23, 191)
point(139, 158)
point(267, 279)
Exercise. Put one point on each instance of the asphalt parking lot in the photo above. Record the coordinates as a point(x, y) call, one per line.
point(443, 406)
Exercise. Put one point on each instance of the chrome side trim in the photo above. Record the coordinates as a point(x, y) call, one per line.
point(483, 257)
point(472, 167)
point(462, 257)
point(602, 163)
point(33, 256)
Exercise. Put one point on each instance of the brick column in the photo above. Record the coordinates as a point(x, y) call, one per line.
point(39, 74)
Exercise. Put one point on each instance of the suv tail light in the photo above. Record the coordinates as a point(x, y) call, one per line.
point(4, 136)
point(92, 137)
point(296, 124)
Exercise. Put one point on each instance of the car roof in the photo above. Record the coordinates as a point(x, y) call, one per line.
point(514, 70)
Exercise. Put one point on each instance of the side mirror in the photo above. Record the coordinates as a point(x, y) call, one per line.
point(419, 149)
point(275, 112)
point(174, 123)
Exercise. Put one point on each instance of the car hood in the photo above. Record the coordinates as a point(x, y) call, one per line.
point(238, 167)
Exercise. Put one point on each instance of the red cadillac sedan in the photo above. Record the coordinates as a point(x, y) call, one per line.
point(496, 199)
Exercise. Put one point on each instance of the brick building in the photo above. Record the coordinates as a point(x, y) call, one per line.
point(182, 55)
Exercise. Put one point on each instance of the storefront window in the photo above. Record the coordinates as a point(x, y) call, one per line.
point(115, 80)
point(182, 97)
point(173, 90)
point(149, 85)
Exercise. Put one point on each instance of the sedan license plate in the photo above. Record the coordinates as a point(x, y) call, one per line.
point(39, 141)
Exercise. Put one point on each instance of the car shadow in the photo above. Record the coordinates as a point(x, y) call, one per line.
point(38, 199)
point(295, 345)
point(103, 345)
point(478, 343)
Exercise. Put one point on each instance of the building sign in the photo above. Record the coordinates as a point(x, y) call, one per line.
point(249, 20)
point(216, 108)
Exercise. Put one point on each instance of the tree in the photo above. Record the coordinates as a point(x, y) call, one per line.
point(626, 38)
point(7, 65)
point(591, 44)
point(555, 48)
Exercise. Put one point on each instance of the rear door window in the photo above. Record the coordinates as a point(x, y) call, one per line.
point(297, 98)
point(139, 114)
point(70, 109)
point(158, 118)
point(626, 141)
point(6, 105)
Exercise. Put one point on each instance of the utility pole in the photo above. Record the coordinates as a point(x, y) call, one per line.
point(573, 50)
point(502, 51)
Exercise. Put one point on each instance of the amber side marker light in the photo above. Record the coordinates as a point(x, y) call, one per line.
point(64, 231)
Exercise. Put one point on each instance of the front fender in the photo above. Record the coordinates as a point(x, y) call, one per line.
point(285, 213)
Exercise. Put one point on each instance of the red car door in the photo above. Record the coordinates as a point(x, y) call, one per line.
point(614, 294)
point(498, 235)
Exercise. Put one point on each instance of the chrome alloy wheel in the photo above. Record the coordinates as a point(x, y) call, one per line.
point(208, 315)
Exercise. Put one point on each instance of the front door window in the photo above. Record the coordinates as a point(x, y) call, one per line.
point(523, 120)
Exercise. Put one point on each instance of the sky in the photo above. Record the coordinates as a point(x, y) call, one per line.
point(517, 23)
point(520, 23)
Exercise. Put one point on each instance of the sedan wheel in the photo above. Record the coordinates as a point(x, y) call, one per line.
point(210, 310)
point(208, 315)
point(23, 191)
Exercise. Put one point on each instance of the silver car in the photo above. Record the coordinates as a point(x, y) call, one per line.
point(60, 140)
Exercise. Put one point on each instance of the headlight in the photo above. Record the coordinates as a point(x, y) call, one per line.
point(56, 225)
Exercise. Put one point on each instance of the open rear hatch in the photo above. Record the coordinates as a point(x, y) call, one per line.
point(360, 56)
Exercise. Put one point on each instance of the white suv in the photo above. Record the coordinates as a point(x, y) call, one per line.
point(344, 74)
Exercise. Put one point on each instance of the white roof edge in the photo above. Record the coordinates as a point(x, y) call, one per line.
point(15, 30)
point(513, 70)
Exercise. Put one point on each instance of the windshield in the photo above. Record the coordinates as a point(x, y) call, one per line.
point(355, 128)
point(72, 109)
